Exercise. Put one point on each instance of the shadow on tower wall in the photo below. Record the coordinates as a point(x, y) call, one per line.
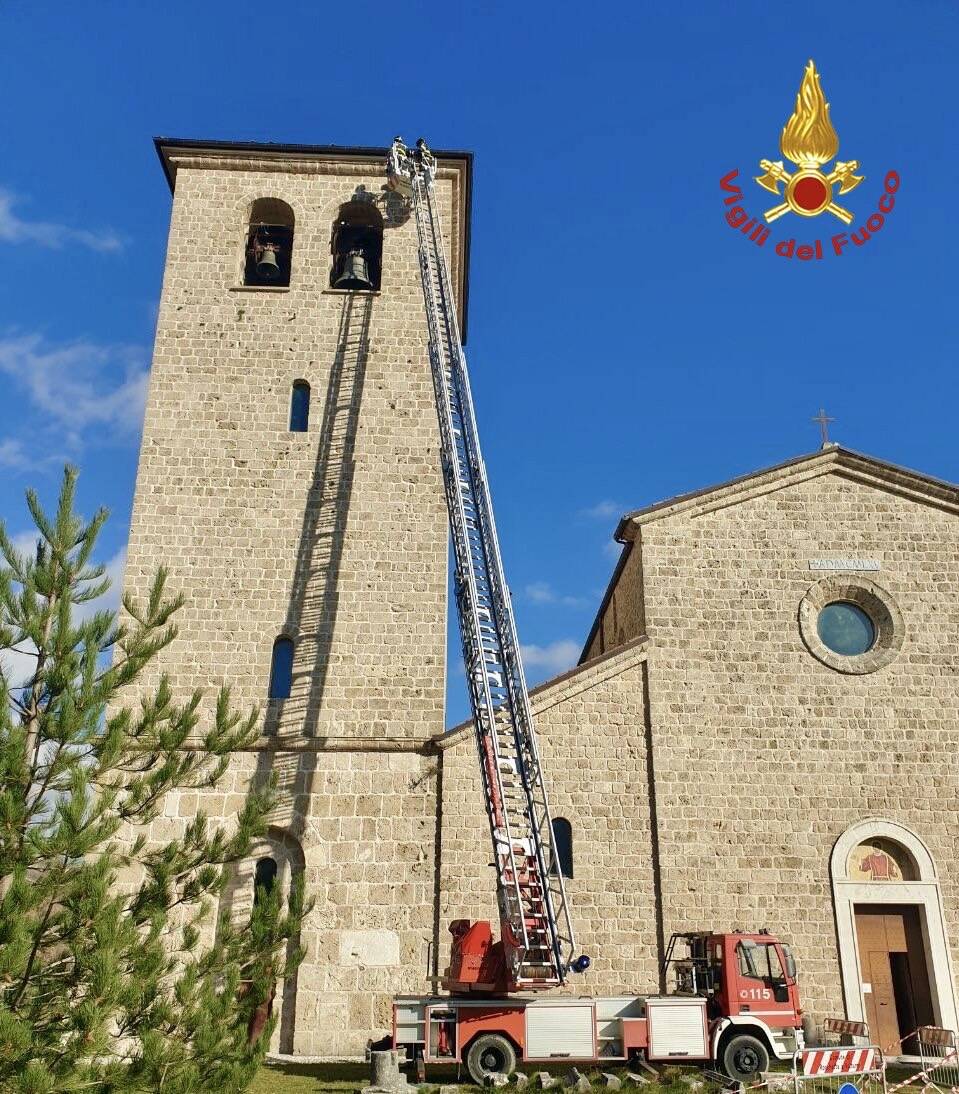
point(314, 594)
point(314, 597)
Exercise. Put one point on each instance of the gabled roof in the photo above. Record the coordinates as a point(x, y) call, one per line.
point(831, 459)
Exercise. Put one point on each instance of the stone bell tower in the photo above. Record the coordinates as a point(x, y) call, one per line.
point(289, 479)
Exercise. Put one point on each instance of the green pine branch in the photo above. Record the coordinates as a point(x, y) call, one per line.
point(106, 982)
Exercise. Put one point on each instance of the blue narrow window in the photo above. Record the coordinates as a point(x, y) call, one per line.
point(562, 847)
point(263, 879)
point(281, 669)
point(300, 407)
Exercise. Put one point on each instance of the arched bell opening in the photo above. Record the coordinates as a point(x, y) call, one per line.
point(357, 246)
point(269, 243)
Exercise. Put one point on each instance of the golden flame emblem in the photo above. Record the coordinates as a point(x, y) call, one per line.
point(809, 140)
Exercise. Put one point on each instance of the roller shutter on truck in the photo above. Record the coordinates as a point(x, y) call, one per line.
point(559, 1029)
point(409, 1016)
point(677, 1028)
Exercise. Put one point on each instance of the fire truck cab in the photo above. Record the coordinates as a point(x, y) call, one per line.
point(732, 1000)
point(748, 982)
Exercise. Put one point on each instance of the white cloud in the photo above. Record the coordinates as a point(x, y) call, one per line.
point(17, 455)
point(71, 383)
point(553, 658)
point(603, 510)
point(25, 543)
point(18, 665)
point(110, 601)
point(541, 592)
point(15, 230)
point(12, 454)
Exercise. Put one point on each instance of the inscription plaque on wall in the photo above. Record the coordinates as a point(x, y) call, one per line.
point(844, 564)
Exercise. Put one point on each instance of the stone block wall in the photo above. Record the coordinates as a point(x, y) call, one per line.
point(592, 738)
point(335, 537)
point(622, 617)
point(764, 755)
point(361, 825)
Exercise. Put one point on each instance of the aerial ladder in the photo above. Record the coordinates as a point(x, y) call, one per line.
point(536, 949)
point(708, 1016)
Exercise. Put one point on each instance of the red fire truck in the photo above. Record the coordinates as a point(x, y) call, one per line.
point(733, 1002)
point(732, 997)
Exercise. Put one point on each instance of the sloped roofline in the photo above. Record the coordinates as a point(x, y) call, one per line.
point(855, 465)
point(579, 678)
point(167, 147)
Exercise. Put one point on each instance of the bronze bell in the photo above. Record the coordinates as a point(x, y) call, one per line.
point(354, 273)
point(266, 264)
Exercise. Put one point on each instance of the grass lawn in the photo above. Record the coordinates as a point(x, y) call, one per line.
point(351, 1078)
point(334, 1078)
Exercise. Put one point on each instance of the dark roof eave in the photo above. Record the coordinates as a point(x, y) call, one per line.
point(608, 595)
point(355, 151)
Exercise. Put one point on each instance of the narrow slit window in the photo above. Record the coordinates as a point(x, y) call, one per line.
point(281, 669)
point(269, 243)
point(300, 407)
point(264, 877)
point(562, 847)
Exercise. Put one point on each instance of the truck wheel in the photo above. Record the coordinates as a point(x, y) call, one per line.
point(744, 1057)
point(490, 1054)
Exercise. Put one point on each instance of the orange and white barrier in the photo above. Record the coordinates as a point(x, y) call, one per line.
point(838, 1061)
point(924, 1076)
point(845, 1027)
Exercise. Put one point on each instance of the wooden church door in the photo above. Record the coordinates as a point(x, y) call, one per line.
point(894, 973)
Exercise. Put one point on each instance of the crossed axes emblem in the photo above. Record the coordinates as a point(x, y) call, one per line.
point(842, 172)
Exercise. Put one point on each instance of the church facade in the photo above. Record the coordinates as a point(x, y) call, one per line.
point(763, 729)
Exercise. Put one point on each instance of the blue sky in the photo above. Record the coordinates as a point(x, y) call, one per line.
point(625, 343)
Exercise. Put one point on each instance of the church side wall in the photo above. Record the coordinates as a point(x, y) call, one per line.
point(591, 733)
point(764, 755)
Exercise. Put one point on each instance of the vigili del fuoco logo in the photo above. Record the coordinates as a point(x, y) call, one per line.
point(810, 142)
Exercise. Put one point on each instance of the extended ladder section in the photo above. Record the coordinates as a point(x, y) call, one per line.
point(534, 918)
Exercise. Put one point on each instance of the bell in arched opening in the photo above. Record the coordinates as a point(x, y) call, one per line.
point(357, 246)
point(269, 243)
point(354, 271)
point(267, 266)
point(268, 256)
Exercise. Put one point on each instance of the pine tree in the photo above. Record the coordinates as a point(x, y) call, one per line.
point(111, 976)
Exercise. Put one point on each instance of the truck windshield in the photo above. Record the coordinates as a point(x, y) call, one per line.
point(759, 960)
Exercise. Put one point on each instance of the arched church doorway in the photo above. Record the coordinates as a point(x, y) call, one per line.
point(893, 950)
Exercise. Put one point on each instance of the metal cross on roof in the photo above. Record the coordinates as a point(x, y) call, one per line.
point(823, 419)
